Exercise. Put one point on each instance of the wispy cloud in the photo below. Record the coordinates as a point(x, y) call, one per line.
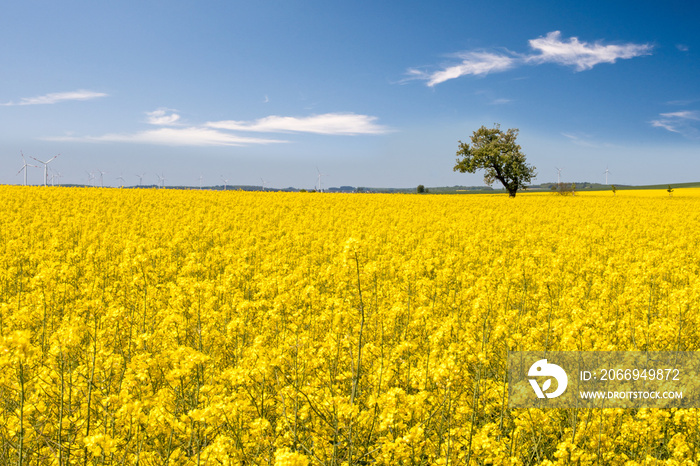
point(327, 123)
point(192, 136)
point(549, 49)
point(685, 114)
point(163, 117)
point(225, 133)
point(586, 140)
point(582, 55)
point(473, 63)
point(57, 97)
point(683, 101)
point(685, 122)
point(682, 47)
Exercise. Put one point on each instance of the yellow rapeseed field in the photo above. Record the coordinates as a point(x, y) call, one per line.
point(192, 327)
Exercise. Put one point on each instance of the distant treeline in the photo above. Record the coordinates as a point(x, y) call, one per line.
point(577, 186)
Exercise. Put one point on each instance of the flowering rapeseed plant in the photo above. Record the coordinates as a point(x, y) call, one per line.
point(180, 327)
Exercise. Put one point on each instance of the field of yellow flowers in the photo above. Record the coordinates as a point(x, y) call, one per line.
point(227, 328)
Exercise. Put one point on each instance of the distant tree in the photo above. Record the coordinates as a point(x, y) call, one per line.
point(614, 189)
point(420, 189)
point(497, 153)
point(563, 189)
point(670, 190)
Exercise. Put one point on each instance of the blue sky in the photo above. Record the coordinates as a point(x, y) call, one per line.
point(371, 93)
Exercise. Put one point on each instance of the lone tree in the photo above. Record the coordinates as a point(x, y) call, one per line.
point(497, 153)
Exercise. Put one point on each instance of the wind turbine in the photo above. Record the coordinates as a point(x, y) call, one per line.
point(263, 184)
point(91, 177)
point(46, 168)
point(54, 174)
point(24, 167)
point(319, 179)
point(607, 172)
point(161, 180)
point(559, 174)
point(140, 178)
point(121, 178)
point(225, 182)
point(102, 185)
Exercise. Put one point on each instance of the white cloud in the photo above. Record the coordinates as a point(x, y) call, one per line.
point(162, 117)
point(682, 102)
point(192, 136)
point(665, 124)
point(222, 133)
point(573, 137)
point(586, 140)
point(682, 47)
point(582, 55)
point(57, 97)
point(473, 63)
point(327, 123)
point(551, 49)
point(683, 122)
point(685, 114)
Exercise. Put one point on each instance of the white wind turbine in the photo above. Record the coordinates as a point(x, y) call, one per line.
point(607, 172)
point(46, 167)
point(225, 182)
point(320, 186)
point(559, 174)
point(102, 174)
point(263, 184)
point(53, 175)
point(24, 167)
point(140, 178)
point(121, 178)
point(91, 177)
point(161, 180)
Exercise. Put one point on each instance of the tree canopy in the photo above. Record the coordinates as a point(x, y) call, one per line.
point(497, 153)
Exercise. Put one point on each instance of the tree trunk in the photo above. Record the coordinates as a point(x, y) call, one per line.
point(508, 186)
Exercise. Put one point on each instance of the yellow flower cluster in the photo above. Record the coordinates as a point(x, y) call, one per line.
point(196, 327)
